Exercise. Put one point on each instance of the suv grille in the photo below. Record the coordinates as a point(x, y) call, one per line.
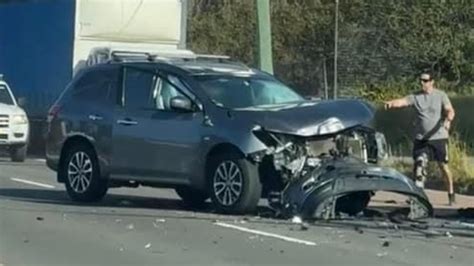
point(4, 121)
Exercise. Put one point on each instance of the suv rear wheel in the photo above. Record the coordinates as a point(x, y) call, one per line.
point(234, 184)
point(80, 171)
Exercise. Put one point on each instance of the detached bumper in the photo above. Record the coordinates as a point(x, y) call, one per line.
point(312, 196)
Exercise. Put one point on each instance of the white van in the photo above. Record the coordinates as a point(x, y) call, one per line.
point(14, 126)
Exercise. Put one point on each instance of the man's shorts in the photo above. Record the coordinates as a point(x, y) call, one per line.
point(436, 149)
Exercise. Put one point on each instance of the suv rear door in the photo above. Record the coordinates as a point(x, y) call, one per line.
point(150, 140)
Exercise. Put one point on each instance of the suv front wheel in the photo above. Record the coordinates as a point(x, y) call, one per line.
point(18, 153)
point(80, 171)
point(234, 184)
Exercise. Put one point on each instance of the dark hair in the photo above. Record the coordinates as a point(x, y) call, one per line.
point(428, 72)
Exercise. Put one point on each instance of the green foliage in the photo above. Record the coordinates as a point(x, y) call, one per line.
point(383, 45)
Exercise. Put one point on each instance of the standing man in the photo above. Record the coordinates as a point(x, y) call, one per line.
point(434, 114)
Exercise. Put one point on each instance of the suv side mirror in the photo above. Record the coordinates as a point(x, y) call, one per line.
point(181, 103)
point(21, 101)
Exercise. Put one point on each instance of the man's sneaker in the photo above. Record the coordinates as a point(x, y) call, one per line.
point(451, 198)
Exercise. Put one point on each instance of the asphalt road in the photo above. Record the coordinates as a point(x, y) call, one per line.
point(39, 225)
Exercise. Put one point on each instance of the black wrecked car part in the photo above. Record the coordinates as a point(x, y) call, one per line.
point(322, 176)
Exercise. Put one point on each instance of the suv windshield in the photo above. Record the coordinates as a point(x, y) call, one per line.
point(5, 96)
point(245, 92)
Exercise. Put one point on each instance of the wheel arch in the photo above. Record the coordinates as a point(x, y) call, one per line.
point(71, 142)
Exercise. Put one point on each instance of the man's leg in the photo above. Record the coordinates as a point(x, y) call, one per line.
point(441, 155)
point(448, 177)
point(420, 157)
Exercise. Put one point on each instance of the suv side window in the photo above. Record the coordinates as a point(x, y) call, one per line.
point(138, 86)
point(147, 90)
point(98, 86)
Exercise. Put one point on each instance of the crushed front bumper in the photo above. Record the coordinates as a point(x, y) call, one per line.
point(316, 194)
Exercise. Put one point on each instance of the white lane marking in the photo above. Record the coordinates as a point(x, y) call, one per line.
point(31, 182)
point(257, 232)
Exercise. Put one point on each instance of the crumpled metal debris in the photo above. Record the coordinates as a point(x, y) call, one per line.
point(382, 254)
point(297, 220)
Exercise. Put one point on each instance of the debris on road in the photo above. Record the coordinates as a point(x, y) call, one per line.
point(386, 244)
point(448, 234)
point(382, 254)
point(118, 221)
point(130, 227)
point(26, 241)
point(160, 220)
point(297, 220)
point(304, 227)
point(358, 230)
point(147, 246)
point(39, 218)
point(468, 225)
point(125, 203)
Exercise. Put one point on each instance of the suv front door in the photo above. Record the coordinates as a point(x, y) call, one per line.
point(151, 141)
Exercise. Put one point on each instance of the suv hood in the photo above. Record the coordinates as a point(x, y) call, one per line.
point(11, 109)
point(310, 118)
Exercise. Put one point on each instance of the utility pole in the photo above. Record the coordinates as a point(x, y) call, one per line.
point(325, 78)
point(265, 60)
point(336, 37)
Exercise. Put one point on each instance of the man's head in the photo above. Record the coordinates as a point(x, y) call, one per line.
point(427, 81)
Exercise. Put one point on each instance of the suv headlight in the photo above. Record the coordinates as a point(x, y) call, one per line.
point(19, 119)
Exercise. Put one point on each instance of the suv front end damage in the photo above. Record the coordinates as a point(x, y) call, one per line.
point(323, 175)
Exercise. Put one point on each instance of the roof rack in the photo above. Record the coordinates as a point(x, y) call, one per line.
point(118, 55)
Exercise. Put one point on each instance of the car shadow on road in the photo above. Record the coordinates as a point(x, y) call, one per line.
point(111, 204)
point(59, 197)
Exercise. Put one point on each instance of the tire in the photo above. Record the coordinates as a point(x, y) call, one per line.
point(18, 153)
point(77, 186)
point(231, 198)
point(192, 197)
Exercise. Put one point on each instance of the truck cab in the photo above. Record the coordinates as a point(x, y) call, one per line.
point(14, 125)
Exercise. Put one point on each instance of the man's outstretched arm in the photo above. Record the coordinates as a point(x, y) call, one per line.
point(398, 103)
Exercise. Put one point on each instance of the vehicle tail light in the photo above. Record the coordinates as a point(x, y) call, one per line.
point(53, 112)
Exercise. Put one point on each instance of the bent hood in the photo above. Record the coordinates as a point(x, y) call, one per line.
point(311, 118)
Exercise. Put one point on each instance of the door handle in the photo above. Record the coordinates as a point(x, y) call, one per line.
point(127, 122)
point(95, 117)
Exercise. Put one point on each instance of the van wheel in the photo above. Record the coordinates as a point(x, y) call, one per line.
point(192, 197)
point(18, 153)
point(80, 170)
point(234, 184)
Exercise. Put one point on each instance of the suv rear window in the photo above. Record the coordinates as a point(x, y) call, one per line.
point(98, 85)
point(5, 96)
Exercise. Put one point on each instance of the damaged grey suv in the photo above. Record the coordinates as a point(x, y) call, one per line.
point(212, 128)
